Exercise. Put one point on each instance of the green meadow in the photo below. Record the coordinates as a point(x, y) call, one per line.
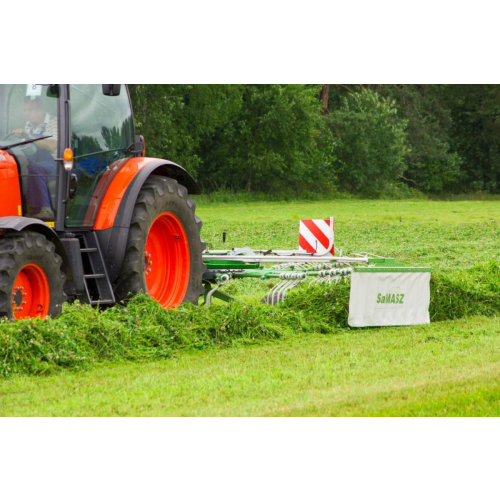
point(299, 359)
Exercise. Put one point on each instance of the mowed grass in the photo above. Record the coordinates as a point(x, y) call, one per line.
point(447, 368)
point(450, 369)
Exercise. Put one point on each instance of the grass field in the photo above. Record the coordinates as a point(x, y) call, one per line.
point(446, 368)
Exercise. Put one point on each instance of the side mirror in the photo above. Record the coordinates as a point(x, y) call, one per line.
point(139, 145)
point(73, 186)
point(111, 89)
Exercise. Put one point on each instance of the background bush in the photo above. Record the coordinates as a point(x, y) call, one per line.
point(285, 140)
point(370, 142)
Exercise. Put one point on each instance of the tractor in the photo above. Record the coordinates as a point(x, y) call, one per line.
point(84, 214)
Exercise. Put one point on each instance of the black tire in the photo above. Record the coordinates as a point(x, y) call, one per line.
point(19, 250)
point(160, 195)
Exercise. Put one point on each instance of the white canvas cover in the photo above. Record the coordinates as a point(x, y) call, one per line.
point(389, 297)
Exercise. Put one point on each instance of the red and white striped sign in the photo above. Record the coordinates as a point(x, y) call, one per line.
point(317, 236)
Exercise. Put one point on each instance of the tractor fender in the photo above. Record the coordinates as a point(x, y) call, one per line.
point(115, 213)
point(118, 203)
point(20, 224)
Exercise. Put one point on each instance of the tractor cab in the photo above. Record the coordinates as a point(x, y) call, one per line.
point(39, 124)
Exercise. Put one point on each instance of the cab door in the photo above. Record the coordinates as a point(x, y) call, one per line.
point(101, 137)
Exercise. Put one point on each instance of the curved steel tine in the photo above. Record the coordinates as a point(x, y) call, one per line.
point(267, 298)
point(276, 291)
point(284, 291)
point(272, 292)
point(278, 297)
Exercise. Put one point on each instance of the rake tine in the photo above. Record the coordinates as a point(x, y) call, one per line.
point(284, 291)
point(267, 298)
point(274, 291)
point(281, 291)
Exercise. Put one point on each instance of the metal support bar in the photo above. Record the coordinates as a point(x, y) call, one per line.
point(247, 259)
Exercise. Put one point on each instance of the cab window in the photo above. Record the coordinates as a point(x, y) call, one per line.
point(102, 134)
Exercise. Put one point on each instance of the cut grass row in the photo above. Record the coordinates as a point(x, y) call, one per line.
point(82, 336)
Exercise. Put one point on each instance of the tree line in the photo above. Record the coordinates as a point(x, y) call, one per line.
point(367, 140)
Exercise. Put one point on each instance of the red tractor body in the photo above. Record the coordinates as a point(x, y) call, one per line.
point(83, 214)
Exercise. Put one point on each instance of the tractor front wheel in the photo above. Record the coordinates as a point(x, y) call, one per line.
point(163, 257)
point(31, 280)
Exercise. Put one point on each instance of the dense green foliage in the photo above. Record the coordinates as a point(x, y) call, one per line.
point(370, 143)
point(431, 163)
point(176, 119)
point(291, 140)
point(235, 137)
point(270, 144)
point(475, 112)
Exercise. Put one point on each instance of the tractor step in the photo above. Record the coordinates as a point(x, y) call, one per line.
point(101, 302)
point(97, 284)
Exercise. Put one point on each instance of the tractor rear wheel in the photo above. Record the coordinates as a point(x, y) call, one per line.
point(31, 280)
point(164, 250)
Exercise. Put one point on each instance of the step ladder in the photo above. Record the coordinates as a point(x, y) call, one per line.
point(89, 245)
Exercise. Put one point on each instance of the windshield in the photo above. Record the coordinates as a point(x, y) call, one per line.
point(29, 130)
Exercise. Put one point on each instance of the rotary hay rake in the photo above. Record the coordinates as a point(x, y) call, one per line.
point(383, 292)
point(297, 268)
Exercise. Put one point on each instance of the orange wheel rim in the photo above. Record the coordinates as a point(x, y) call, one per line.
point(167, 261)
point(31, 293)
